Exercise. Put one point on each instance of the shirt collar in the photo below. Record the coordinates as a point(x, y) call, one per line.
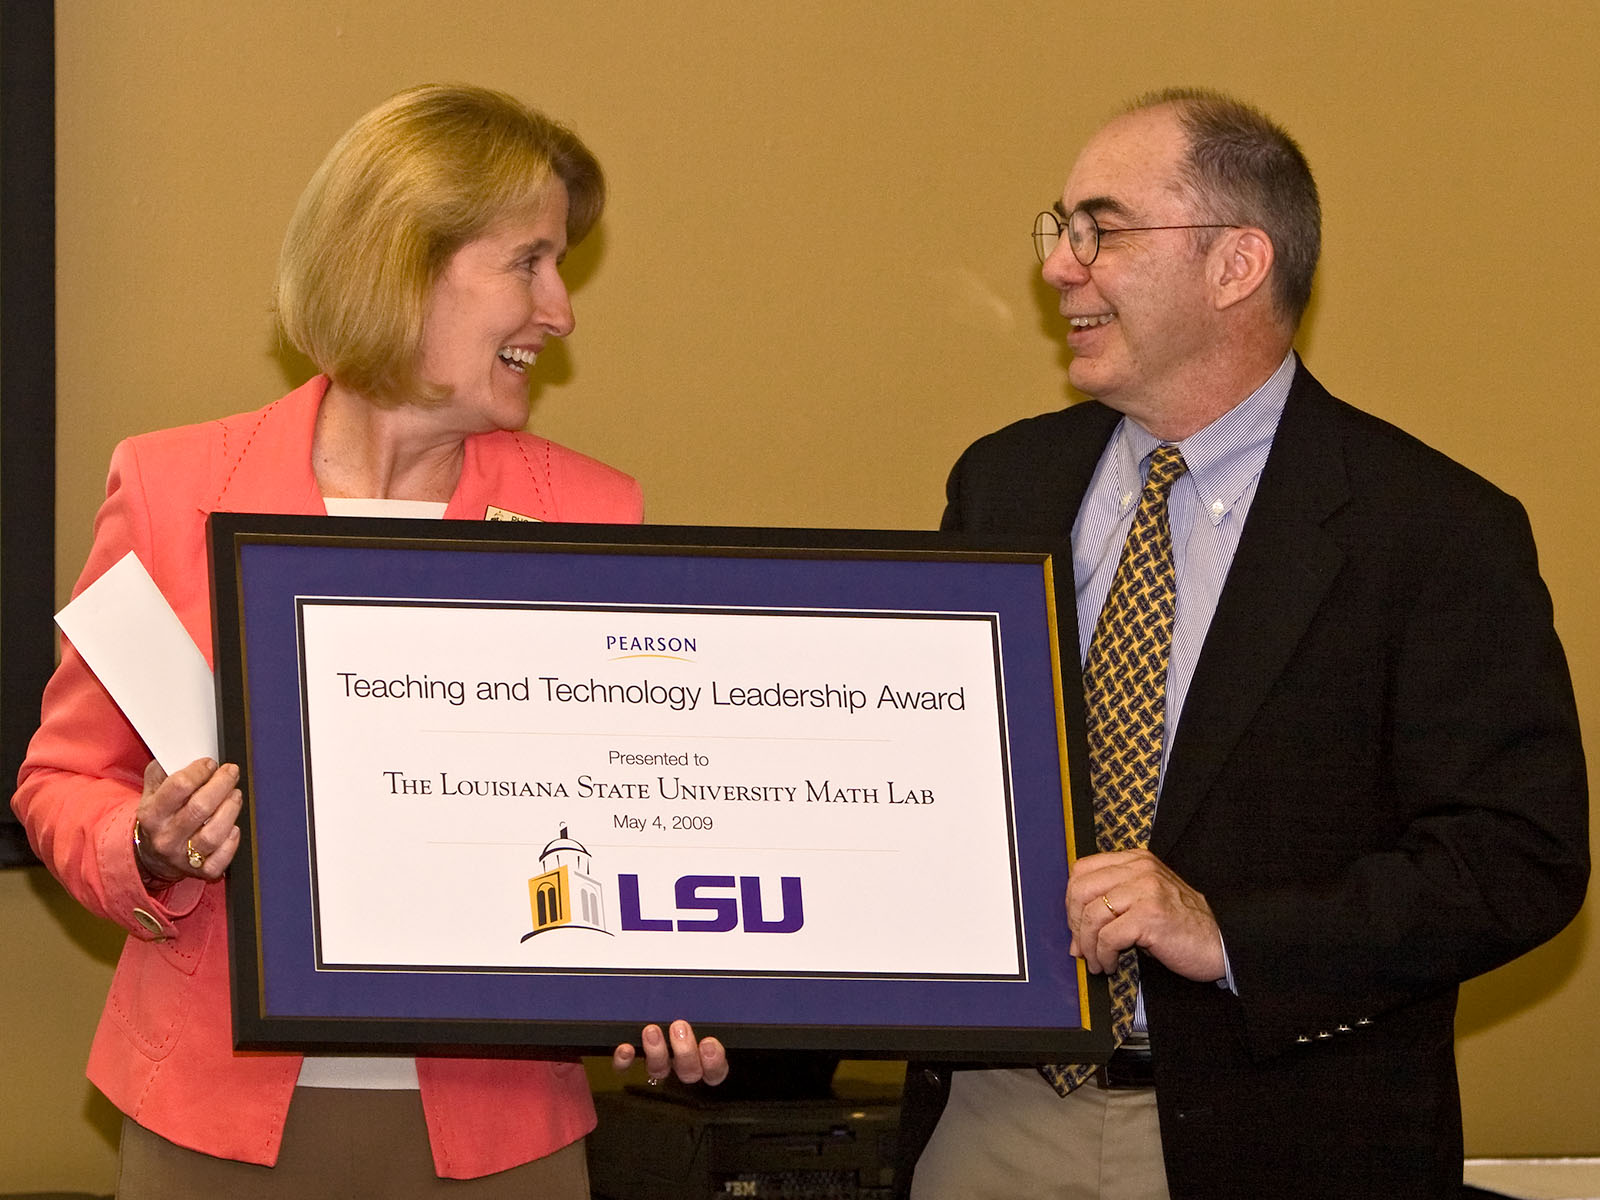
point(1223, 459)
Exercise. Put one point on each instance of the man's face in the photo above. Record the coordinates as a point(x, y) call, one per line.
point(1141, 317)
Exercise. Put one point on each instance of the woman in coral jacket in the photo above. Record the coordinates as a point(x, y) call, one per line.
point(421, 274)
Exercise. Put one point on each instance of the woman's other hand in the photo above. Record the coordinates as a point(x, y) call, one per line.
point(187, 825)
point(677, 1053)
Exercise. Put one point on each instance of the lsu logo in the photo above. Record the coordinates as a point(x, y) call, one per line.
point(566, 895)
point(726, 904)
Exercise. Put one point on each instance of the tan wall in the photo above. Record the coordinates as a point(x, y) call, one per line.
point(815, 286)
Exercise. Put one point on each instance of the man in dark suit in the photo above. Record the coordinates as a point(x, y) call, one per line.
point(1371, 784)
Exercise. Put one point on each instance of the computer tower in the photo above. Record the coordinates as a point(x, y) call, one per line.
point(671, 1143)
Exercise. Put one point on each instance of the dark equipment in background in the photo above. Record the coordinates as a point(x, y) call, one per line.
point(777, 1130)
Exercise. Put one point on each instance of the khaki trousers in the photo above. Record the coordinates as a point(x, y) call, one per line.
point(338, 1144)
point(1006, 1134)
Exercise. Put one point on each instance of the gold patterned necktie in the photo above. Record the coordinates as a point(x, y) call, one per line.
point(1125, 686)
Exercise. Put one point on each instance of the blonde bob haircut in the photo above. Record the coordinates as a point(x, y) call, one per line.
point(413, 181)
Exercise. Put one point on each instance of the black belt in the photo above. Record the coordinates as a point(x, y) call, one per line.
point(1130, 1066)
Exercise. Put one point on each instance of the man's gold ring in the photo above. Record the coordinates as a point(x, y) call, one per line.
point(1109, 906)
point(196, 859)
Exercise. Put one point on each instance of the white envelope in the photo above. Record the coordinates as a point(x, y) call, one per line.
point(137, 647)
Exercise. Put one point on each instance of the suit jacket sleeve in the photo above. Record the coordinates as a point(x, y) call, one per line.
point(81, 782)
point(1408, 806)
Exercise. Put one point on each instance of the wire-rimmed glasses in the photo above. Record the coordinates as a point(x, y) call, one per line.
point(1083, 233)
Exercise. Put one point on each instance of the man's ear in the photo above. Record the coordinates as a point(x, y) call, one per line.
point(1241, 261)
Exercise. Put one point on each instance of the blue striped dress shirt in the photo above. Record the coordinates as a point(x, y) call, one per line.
point(1206, 513)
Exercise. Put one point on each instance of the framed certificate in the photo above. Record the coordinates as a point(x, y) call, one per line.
point(518, 785)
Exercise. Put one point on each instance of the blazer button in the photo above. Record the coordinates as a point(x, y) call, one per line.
point(1302, 1040)
point(1344, 1029)
point(151, 924)
point(1324, 1035)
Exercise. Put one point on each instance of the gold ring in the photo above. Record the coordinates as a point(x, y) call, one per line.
point(1103, 899)
point(651, 1080)
point(196, 859)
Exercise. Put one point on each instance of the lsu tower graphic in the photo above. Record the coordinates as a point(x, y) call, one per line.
point(565, 895)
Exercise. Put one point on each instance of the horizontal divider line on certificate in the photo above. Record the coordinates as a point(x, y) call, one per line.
point(698, 845)
point(681, 737)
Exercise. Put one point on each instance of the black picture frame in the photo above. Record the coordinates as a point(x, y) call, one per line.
point(27, 387)
point(275, 579)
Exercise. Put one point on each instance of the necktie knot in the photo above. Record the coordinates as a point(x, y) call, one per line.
point(1166, 465)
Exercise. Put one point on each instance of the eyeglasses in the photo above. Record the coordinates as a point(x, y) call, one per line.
point(1083, 233)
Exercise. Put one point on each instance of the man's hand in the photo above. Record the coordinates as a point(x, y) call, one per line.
point(1129, 898)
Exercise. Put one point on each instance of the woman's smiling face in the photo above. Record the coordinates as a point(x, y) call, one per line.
point(497, 302)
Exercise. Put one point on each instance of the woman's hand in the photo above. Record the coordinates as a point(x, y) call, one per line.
point(187, 825)
point(703, 1061)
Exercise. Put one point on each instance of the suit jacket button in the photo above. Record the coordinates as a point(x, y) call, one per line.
point(150, 923)
point(1302, 1040)
point(1323, 1036)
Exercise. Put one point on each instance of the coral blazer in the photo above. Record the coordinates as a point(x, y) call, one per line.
point(163, 1051)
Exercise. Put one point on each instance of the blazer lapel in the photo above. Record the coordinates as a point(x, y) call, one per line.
point(1281, 572)
point(492, 475)
point(276, 480)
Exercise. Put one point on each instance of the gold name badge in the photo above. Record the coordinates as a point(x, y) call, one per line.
point(492, 513)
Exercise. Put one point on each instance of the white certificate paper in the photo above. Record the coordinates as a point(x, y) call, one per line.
point(580, 789)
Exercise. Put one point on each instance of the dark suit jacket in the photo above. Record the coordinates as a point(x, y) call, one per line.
point(1377, 783)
